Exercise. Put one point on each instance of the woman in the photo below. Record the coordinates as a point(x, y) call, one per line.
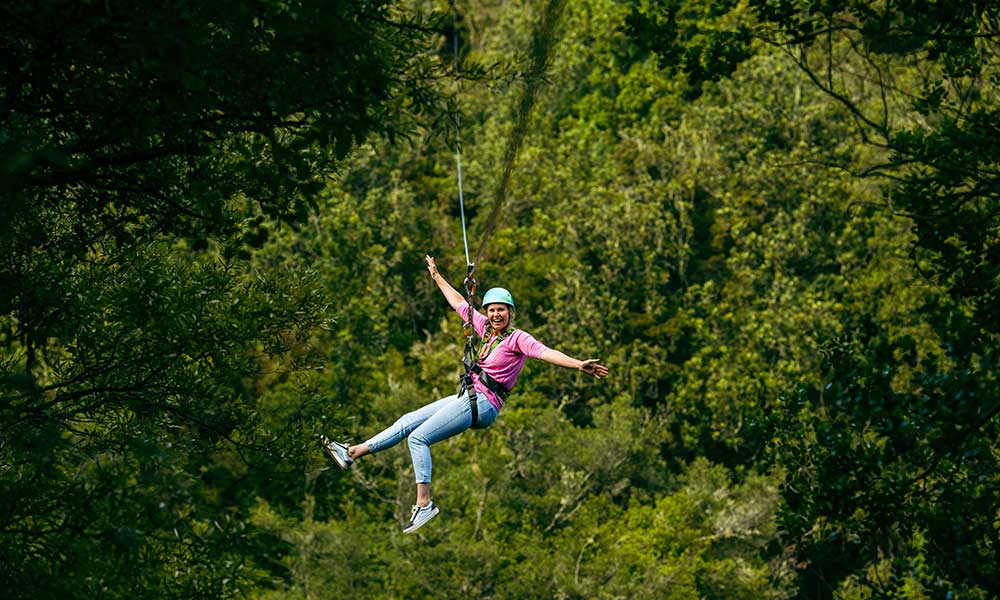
point(503, 354)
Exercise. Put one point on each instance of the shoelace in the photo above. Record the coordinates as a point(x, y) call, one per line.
point(413, 515)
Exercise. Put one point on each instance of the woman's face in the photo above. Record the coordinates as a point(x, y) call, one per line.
point(499, 316)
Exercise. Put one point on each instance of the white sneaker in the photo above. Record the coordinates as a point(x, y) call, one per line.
point(419, 516)
point(337, 451)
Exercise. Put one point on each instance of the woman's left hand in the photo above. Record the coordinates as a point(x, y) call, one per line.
point(592, 366)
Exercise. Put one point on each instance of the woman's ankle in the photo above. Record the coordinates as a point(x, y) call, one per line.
point(423, 495)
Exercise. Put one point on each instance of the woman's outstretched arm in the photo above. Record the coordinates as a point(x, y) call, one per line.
point(455, 299)
point(591, 366)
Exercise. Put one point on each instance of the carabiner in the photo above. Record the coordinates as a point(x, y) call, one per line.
point(470, 284)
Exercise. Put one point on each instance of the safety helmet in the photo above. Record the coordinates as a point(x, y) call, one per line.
point(495, 295)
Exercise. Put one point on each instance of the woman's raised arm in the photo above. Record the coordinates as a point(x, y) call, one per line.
point(455, 299)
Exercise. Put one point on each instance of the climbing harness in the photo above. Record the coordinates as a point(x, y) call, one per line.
point(470, 360)
point(471, 363)
point(541, 46)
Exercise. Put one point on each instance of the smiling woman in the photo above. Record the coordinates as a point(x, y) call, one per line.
point(501, 358)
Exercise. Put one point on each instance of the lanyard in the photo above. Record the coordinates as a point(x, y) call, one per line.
point(489, 347)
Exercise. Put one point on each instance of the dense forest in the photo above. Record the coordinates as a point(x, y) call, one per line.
point(776, 222)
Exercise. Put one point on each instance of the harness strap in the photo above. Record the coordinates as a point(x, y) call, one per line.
point(492, 384)
point(466, 387)
point(465, 383)
point(491, 345)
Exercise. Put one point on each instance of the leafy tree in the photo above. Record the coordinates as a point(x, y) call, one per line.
point(905, 412)
point(615, 228)
point(144, 149)
point(931, 111)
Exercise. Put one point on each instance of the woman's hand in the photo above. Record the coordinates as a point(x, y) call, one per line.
point(592, 366)
point(451, 294)
point(430, 265)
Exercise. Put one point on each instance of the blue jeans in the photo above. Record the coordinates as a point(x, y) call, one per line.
point(428, 425)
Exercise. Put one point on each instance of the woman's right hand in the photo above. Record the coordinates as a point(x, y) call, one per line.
point(451, 294)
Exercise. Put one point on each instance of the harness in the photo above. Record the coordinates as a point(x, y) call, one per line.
point(470, 360)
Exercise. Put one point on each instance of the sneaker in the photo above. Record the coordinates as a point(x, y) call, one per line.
point(419, 516)
point(337, 451)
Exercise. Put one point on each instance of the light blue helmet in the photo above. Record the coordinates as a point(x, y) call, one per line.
point(494, 295)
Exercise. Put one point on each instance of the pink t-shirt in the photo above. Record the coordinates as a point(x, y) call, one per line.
point(505, 362)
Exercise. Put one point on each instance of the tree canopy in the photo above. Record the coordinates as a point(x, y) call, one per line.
point(775, 221)
point(145, 148)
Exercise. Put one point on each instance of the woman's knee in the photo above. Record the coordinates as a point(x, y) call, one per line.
point(416, 441)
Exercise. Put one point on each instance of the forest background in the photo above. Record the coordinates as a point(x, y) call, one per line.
point(775, 221)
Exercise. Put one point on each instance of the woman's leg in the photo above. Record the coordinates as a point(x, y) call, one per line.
point(451, 419)
point(436, 421)
point(395, 433)
point(423, 494)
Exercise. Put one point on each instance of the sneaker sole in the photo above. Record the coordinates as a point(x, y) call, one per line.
point(325, 442)
point(422, 523)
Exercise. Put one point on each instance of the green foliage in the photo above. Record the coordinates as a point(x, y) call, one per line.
point(167, 112)
point(864, 460)
point(941, 144)
point(126, 450)
point(145, 151)
point(704, 41)
point(775, 222)
point(872, 476)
